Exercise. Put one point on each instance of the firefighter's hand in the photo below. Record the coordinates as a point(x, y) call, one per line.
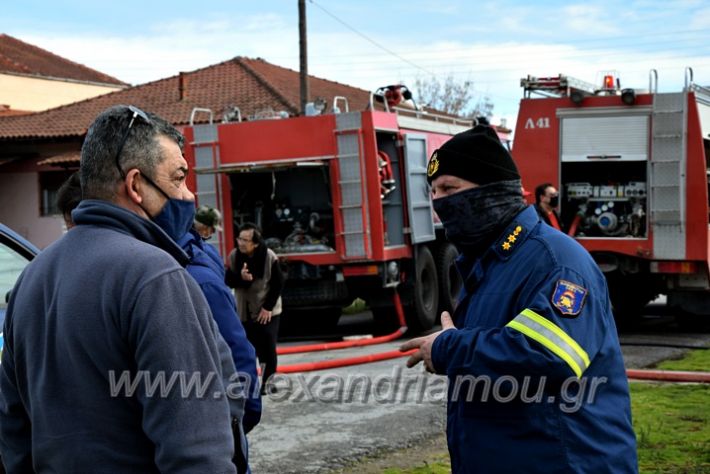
point(246, 274)
point(264, 316)
point(425, 343)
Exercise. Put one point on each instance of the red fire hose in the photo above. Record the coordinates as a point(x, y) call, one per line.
point(575, 224)
point(668, 376)
point(356, 343)
point(329, 364)
point(344, 362)
point(635, 374)
point(327, 346)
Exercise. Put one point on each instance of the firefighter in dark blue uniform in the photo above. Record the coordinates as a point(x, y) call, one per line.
point(536, 376)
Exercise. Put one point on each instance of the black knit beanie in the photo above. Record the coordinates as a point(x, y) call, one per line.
point(475, 155)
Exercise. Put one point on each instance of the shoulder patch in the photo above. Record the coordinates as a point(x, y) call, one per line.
point(568, 298)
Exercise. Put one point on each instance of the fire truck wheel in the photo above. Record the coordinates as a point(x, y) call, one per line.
point(691, 309)
point(450, 281)
point(629, 295)
point(385, 319)
point(309, 321)
point(422, 314)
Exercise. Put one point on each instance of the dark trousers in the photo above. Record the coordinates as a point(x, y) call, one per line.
point(263, 338)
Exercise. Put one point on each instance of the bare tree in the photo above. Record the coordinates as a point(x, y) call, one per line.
point(451, 96)
point(483, 108)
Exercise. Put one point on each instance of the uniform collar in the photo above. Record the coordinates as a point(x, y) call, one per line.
point(514, 235)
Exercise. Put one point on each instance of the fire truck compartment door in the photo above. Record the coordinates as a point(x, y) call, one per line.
point(605, 138)
point(421, 212)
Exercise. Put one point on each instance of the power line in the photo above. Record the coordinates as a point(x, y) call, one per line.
point(367, 38)
point(512, 63)
point(602, 42)
point(434, 57)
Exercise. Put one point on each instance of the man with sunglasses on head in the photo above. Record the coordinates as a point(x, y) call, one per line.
point(112, 361)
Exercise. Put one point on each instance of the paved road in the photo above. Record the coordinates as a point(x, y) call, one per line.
point(320, 421)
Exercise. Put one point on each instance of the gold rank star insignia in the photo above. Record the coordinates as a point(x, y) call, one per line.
point(511, 238)
point(506, 246)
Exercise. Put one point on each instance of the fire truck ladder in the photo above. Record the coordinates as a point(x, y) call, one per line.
point(208, 183)
point(353, 206)
point(560, 86)
point(668, 170)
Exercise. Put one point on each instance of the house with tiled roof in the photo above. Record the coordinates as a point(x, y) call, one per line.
point(33, 79)
point(40, 150)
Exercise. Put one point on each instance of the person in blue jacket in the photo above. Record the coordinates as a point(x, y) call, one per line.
point(206, 267)
point(536, 377)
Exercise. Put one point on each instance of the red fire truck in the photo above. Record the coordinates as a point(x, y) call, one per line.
point(342, 198)
point(633, 172)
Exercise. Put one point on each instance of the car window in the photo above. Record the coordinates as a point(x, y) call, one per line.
point(11, 265)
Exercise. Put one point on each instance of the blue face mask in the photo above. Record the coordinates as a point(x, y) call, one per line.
point(177, 215)
point(473, 218)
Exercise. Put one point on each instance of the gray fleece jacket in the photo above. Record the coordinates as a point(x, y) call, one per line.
point(112, 361)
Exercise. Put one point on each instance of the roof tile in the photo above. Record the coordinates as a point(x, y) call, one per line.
point(250, 84)
point(22, 58)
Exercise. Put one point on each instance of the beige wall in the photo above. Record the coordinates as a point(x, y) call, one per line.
point(20, 209)
point(35, 94)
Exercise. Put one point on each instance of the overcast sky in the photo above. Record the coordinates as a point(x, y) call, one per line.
point(374, 43)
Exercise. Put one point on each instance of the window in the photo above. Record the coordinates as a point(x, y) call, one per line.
point(11, 265)
point(49, 183)
point(15, 254)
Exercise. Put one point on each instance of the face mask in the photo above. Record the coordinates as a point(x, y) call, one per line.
point(474, 218)
point(205, 235)
point(554, 200)
point(177, 215)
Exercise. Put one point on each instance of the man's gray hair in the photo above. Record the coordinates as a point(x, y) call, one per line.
point(99, 174)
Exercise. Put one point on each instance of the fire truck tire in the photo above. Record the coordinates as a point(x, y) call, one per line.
point(308, 293)
point(385, 319)
point(629, 295)
point(450, 281)
point(421, 314)
point(312, 320)
point(691, 309)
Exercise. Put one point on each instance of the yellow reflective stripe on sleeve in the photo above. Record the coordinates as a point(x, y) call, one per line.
point(553, 338)
point(548, 344)
point(559, 332)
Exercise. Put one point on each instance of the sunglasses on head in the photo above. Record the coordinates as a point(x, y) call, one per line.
point(135, 113)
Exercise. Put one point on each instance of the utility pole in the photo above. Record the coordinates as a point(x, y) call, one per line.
point(303, 48)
